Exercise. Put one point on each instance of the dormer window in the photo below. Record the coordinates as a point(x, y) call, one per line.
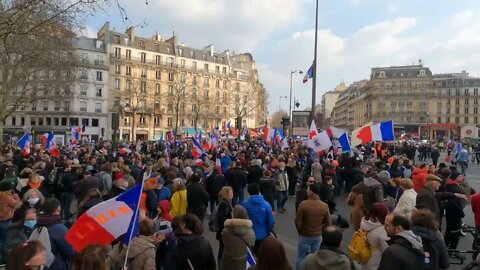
point(204, 56)
point(142, 44)
point(422, 72)
point(382, 73)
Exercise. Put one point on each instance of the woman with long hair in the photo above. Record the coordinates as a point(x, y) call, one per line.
point(92, 257)
point(178, 200)
point(20, 231)
point(224, 212)
point(373, 223)
point(30, 255)
point(93, 197)
point(271, 256)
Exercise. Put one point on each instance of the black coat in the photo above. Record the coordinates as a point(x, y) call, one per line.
point(433, 244)
point(254, 174)
point(193, 248)
point(214, 184)
point(267, 188)
point(236, 178)
point(429, 199)
point(454, 207)
point(197, 200)
point(300, 197)
point(401, 255)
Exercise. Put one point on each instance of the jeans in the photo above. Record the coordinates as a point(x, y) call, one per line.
point(4, 225)
point(237, 196)
point(307, 245)
point(463, 167)
point(66, 199)
point(282, 197)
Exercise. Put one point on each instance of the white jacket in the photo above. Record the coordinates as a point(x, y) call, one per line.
point(377, 239)
point(406, 202)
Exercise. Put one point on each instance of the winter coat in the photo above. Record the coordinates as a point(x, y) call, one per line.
point(419, 178)
point(83, 186)
point(454, 206)
point(88, 204)
point(254, 174)
point(214, 184)
point(237, 235)
point(267, 189)
point(8, 203)
point(236, 178)
point(224, 212)
point(60, 247)
point(260, 213)
point(225, 163)
point(317, 172)
point(327, 258)
point(407, 202)
point(197, 200)
point(300, 197)
point(476, 209)
point(68, 181)
point(141, 255)
point(178, 203)
point(435, 239)
point(377, 239)
point(194, 249)
point(355, 199)
point(281, 180)
point(404, 253)
point(429, 199)
point(17, 234)
point(312, 215)
point(372, 192)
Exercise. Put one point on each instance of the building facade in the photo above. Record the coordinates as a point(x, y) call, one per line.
point(84, 102)
point(158, 85)
point(328, 102)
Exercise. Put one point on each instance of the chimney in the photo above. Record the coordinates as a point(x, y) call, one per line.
point(131, 33)
point(157, 37)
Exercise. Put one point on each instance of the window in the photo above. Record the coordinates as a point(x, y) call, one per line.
point(157, 89)
point(99, 76)
point(182, 122)
point(143, 57)
point(14, 121)
point(182, 91)
point(182, 107)
point(156, 121)
point(182, 63)
point(180, 51)
point(144, 72)
point(475, 91)
point(475, 101)
point(457, 110)
point(157, 105)
point(194, 93)
point(466, 110)
point(170, 76)
point(448, 101)
point(94, 122)
point(128, 70)
point(129, 85)
point(224, 70)
point(457, 92)
point(217, 95)
point(224, 84)
point(466, 91)
point(83, 106)
point(66, 105)
point(33, 121)
point(56, 121)
point(466, 101)
point(475, 120)
point(457, 101)
point(439, 119)
point(118, 52)
point(475, 110)
point(98, 107)
point(142, 44)
point(126, 121)
point(170, 62)
point(194, 65)
point(194, 108)
point(158, 74)
point(85, 122)
point(222, 60)
point(170, 89)
point(117, 68)
point(205, 67)
point(217, 110)
point(128, 54)
point(117, 84)
point(457, 120)
point(169, 122)
point(64, 121)
point(215, 58)
point(45, 105)
point(170, 107)
point(143, 87)
point(465, 120)
point(142, 104)
point(206, 93)
point(194, 80)
point(98, 93)
point(116, 102)
point(142, 120)
point(74, 121)
point(217, 83)
point(217, 69)
point(182, 78)
point(224, 95)
point(128, 101)
point(204, 56)
point(158, 60)
point(206, 81)
point(192, 54)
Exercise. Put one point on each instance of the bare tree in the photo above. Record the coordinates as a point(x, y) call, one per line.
point(276, 121)
point(243, 104)
point(37, 55)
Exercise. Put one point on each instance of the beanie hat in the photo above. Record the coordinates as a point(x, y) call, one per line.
point(454, 175)
point(315, 188)
point(383, 176)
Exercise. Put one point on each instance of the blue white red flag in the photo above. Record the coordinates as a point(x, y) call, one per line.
point(197, 150)
point(308, 75)
point(24, 143)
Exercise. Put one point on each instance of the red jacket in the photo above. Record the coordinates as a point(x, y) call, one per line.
point(419, 179)
point(476, 208)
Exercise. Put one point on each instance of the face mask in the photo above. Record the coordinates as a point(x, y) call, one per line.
point(33, 201)
point(30, 223)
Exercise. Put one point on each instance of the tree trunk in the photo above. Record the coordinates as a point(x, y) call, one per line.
point(132, 136)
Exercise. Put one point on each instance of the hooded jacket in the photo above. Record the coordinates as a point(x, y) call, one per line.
point(406, 202)
point(141, 255)
point(194, 249)
point(430, 238)
point(327, 258)
point(404, 253)
point(377, 239)
point(260, 213)
point(237, 235)
point(373, 192)
point(419, 178)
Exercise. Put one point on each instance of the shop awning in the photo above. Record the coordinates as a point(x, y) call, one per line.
point(190, 131)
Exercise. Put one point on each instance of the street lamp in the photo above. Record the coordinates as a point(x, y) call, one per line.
point(290, 104)
point(280, 102)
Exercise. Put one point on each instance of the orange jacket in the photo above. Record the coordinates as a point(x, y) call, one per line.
point(419, 179)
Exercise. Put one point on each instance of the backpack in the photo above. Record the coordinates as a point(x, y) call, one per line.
point(213, 225)
point(41, 234)
point(52, 176)
point(359, 249)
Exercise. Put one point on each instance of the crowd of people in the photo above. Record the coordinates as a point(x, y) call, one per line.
point(397, 205)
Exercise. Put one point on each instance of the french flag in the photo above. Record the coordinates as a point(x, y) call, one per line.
point(197, 150)
point(228, 125)
point(308, 75)
point(50, 145)
point(106, 221)
point(382, 132)
point(24, 143)
point(403, 136)
point(75, 134)
point(167, 151)
point(250, 259)
point(268, 134)
point(124, 151)
point(171, 135)
point(344, 143)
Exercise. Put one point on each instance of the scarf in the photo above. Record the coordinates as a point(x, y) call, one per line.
point(34, 185)
point(46, 220)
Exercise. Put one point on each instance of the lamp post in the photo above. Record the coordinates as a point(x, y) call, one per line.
point(280, 102)
point(290, 103)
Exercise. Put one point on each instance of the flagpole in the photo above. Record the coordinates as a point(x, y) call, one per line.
point(135, 214)
point(314, 69)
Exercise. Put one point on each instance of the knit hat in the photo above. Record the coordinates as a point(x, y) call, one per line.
point(454, 175)
point(315, 188)
point(6, 186)
point(383, 176)
point(432, 177)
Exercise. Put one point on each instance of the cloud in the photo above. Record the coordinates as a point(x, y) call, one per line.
point(88, 32)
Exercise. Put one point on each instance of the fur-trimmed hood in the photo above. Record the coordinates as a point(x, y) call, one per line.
point(238, 226)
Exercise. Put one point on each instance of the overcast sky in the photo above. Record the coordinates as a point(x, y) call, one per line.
point(354, 35)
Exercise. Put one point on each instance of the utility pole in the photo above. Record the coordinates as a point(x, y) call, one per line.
point(314, 66)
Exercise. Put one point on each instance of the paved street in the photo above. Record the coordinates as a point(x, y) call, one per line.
point(285, 228)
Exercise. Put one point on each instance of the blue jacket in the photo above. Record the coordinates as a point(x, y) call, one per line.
point(462, 156)
point(60, 248)
point(260, 213)
point(225, 162)
point(163, 194)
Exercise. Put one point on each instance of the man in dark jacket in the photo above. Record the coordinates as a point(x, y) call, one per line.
point(435, 154)
point(255, 172)
point(405, 251)
point(197, 197)
point(67, 191)
point(302, 192)
point(83, 186)
point(213, 184)
point(62, 251)
point(237, 179)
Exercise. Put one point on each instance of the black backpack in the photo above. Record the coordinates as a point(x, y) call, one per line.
point(431, 255)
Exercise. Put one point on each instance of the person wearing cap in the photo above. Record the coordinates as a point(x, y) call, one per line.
point(430, 198)
point(312, 216)
point(162, 192)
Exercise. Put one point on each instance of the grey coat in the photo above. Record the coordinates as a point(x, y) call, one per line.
point(237, 235)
